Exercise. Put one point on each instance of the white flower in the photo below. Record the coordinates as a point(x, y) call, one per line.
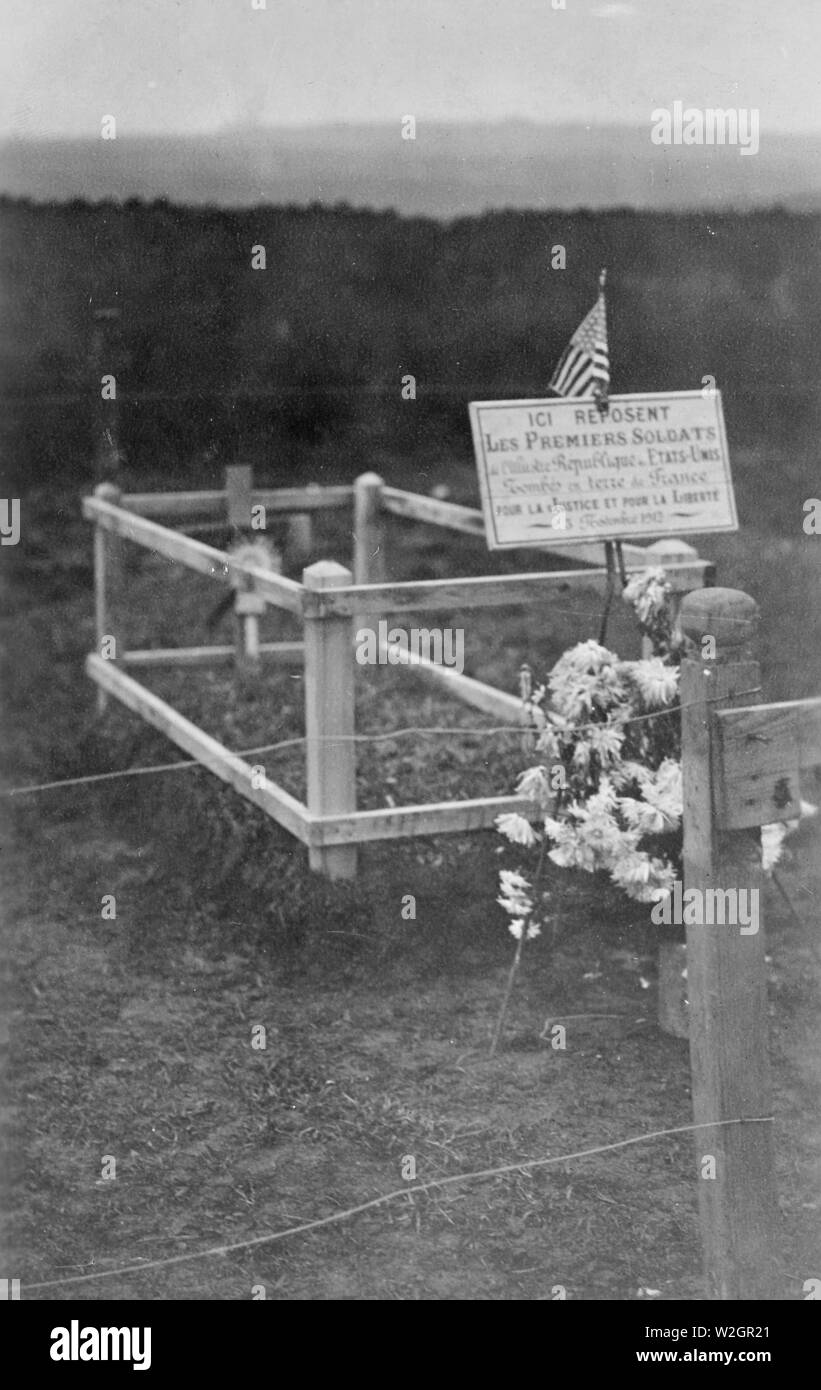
point(567, 851)
point(517, 926)
point(634, 868)
point(663, 790)
point(648, 593)
point(584, 678)
point(645, 818)
point(548, 742)
point(608, 805)
point(604, 800)
point(643, 878)
point(512, 881)
point(629, 771)
point(513, 896)
point(656, 680)
point(534, 785)
point(516, 829)
point(606, 740)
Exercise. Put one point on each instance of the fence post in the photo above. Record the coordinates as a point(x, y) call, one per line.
point(239, 483)
point(108, 578)
point(107, 443)
point(369, 537)
point(672, 952)
point(726, 970)
point(248, 607)
point(329, 716)
point(301, 531)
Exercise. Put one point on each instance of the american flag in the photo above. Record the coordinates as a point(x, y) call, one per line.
point(584, 368)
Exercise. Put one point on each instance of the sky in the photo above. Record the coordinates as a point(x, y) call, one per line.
point(196, 66)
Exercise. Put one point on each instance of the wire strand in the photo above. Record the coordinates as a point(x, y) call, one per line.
point(435, 730)
point(228, 1249)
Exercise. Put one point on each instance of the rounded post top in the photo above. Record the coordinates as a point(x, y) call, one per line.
point(108, 492)
point(728, 615)
point(369, 480)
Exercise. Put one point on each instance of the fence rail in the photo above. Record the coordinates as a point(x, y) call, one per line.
point(742, 765)
point(182, 506)
point(330, 605)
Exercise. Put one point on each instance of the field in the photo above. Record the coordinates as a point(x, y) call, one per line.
point(132, 1038)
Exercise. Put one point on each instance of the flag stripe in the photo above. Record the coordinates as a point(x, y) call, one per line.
point(584, 367)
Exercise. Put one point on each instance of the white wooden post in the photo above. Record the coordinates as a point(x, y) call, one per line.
point(108, 579)
point(369, 563)
point(369, 530)
point(726, 970)
point(672, 953)
point(329, 717)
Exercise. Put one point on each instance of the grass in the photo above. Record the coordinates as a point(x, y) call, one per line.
point(132, 1038)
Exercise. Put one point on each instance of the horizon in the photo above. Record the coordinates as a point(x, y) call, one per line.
point(375, 123)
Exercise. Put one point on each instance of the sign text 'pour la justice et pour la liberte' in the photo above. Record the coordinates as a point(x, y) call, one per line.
point(554, 471)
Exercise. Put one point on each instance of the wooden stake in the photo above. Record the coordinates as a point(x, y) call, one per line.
point(107, 449)
point(301, 531)
point(329, 717)
point(108, 580)
point(609, 591)
point(369, 537)
point(369, 530)
point(726, 973)
point(239, 482)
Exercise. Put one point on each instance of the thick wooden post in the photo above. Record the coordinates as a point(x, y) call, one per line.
point(108, 580)
point(672, 953)
point(329, 717)
point(726, 971)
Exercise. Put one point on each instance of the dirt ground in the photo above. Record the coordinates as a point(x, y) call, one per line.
point(132, 1039)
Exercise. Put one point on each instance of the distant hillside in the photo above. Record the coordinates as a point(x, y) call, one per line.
point(447, 171)
point(218, 362)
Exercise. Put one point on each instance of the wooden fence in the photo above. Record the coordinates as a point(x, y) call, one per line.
point(743, 763)
point(331, 601)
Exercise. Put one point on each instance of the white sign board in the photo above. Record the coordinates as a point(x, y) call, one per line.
point(556, 471)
